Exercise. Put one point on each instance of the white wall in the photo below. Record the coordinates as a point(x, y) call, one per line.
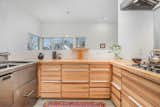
point(135, 32)
point(95, 32)
point(157, 28)
point(15, 24)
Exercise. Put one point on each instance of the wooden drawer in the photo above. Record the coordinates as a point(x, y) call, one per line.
point(100, 84)
point(116, 92)
point(100, 67)
point(75, 67)
point(100, 76)
point(76, 87)
point(50, 75)
point(50, 67)
point(144, 91)
point(127, 101)
point(50, 87)
point(72, 76)
point(99, 92)
point(50, 95)
point(116, 101)
point(75, 95)
point(117, 71)
point(116, 80)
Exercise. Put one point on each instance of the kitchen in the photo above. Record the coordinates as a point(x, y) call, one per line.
point(102, 53)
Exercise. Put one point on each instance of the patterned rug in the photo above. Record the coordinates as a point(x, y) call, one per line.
point(73, 104)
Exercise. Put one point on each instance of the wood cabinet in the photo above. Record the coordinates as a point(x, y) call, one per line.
point(100, 78)
point(142, 91)
point(116, 86)
point(50, 81)
point(79, 80)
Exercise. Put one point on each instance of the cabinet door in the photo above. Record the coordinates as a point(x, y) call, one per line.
point(75, 73)
point(128, 102)
point(100, 73)
point(99, 92)
point(50, 72)
point(115, 100)
point(144, 91)
point(26, 96)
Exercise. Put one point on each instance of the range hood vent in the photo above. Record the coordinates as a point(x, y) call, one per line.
point(140, 4)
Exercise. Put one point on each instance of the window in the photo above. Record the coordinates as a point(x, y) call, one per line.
point(33, 42)
point(57, 43)
point(80, 42)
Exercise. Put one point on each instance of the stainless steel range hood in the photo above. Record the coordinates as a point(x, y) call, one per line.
point(140, 4)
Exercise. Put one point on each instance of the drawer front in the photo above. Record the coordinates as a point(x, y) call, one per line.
point(50, 75)
point(100, 76)
point(100, 67)
point(143, 91)
point(75, 87)
point(75, 94)
point(117, 71)
point(75, 67)
point(116, 101)
point(72, 76)
point(50, 95)
point(99, 92)
point(51, 67)
point(116, 80)
point(26, 95)
point(116, 92)
point(126, 102)
point(100, 84)
point(50, 87)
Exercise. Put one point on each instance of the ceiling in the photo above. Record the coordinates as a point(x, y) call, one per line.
point(71, 10)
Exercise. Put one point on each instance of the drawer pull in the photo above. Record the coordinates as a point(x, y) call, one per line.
point(107, 70)
point(114, 84)
point(100, 81)
point(29, 94)
point(50, 81)
point(134, 101)
point(75, 81)
point(52, 70)
point(75, 70)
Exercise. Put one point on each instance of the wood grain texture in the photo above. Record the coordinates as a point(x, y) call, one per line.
point(146, 92)
point(99, 93)
point(116, 101)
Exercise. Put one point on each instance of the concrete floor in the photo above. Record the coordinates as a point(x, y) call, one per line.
point(40, 102)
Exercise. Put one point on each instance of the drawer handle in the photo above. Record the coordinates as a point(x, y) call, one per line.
point(100, 81)
point(107, 70)
point(134, 101)
point(76, 81)
point(50, 81)
point(29, 94)
point(114, 84)
point(75, 70)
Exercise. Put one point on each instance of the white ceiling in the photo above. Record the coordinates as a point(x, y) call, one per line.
point(79, 10)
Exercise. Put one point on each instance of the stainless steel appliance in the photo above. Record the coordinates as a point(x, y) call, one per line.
point(6, 90)
point(18, 84)
point(140, 4)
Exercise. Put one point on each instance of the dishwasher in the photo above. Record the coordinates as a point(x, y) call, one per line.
point(6, 90)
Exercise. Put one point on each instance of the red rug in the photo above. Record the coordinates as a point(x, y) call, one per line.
point(73, 104)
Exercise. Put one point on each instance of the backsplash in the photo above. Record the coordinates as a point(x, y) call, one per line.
point(66, 54)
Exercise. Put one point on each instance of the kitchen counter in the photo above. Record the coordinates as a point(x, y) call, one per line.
point(18, 66)
point(127, 65)
point(124, 64)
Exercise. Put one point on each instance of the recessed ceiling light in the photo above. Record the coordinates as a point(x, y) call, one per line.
point(68, 11)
